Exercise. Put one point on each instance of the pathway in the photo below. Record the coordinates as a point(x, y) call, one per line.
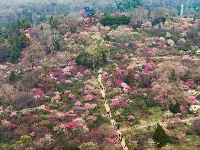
point(109, 114)
point(188, 120)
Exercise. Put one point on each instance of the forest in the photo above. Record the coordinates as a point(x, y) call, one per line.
point(99, 75)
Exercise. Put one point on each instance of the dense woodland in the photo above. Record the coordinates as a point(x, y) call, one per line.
point(50, 56)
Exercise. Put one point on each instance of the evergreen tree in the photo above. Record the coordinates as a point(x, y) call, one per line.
point(14, 54)
point(51, 18)
point(56, 44)
point(41, 28)
point(42, 18)
point(53, 23)
point(160, 137)
point(24, 41)
point(12, 77)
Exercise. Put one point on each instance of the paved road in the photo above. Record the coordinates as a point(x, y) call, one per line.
point(109, 114)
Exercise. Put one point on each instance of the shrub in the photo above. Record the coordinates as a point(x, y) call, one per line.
point(160, 137)
point(25, 139)
point(12, 77)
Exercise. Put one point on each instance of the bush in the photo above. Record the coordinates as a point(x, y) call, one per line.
point(12, 77)
point(160, 137)
point(25, 139)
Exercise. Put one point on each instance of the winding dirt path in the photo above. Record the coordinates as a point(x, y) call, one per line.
point(109, 114)
point(188, 120)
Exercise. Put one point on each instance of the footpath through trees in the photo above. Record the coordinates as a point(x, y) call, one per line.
point(108, 112)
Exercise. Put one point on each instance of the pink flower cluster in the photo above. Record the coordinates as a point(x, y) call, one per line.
point(38, 93)
point(70, 95)
point(189, 83)
point(79, 75)
point(135, 44)
point(183, 110)
point(88, 97)
point(115, 101)
point(1, 108)
point(89, 89)
point(13, 114)
point(131, 117)
point(193, 100)
point(181, 135)
point(71, 125)
point(77, 103)
point(68, 81)
point(118, 71)
point(131, 67)
point(89, 106)
point(76, 123)
point(67, 70)
point(147, 68)
point(118, 82)
point(56, 97)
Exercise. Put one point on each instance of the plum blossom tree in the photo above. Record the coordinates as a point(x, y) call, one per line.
point(139, 16)
point(115, 101)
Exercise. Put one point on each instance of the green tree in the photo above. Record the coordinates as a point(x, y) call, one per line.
point(14, 40)
point(53, 23)
point(3, 31)
point(25, 139)
point(115, 21)
point(93, 59)
point(12, 77)
point(42, 18)
point(83, 59)
point(56, 44)
point(26, 25)
point(160, 136)
point(103, 51)
point(14, 54)
point(175, 108)
point(24, 41)
point(129, 5)
point(41, 28)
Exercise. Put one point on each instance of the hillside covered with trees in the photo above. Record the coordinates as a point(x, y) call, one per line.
point(103, 75)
